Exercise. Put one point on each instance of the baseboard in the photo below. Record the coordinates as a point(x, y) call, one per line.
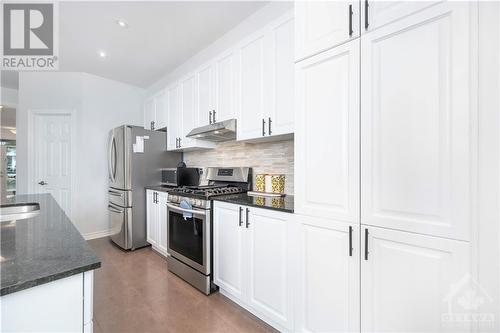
point(97, 234)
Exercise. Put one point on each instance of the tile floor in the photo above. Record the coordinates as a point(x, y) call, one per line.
point(134, 292)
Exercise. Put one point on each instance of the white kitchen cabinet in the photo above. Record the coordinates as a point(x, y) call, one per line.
point(149, 113)
point(189, 115)
point(375, 14)
point(266, 104)
point(162, 223)
point(410, 282)
point(282, 68)
point(156, 220)
point(268, 264)
point(226, 92)
point(228, 248)
point(417, 123)
point(161, 111)
point(327, 270)
point(321, 25)
point(63, 305)
point(174, 129)
point(253, 108)
point(251, 261)
point(151, 217)
point(155, 111)
point(206, 94)
point(327, 134)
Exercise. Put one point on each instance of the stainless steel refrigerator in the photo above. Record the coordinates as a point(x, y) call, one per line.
point(135, 159)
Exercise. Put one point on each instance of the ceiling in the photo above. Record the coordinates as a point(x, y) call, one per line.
point(160, 35)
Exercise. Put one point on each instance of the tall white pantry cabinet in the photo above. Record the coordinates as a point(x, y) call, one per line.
point(385, 147)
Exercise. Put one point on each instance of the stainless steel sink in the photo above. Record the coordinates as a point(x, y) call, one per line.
point(13, 212)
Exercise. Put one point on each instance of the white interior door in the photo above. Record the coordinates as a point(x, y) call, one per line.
point(51, 158)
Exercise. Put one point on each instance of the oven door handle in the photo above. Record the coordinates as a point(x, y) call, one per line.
point(183, 210)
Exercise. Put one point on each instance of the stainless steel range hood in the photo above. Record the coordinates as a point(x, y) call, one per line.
point(217, 132)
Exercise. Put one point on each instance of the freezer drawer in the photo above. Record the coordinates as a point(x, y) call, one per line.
point(122, 198)
point(120, 221)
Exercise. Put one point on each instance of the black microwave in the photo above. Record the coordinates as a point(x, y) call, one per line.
point(180, 176)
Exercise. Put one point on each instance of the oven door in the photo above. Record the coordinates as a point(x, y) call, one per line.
point(189, 239)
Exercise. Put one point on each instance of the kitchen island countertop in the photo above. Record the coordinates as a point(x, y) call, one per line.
point(41, 249)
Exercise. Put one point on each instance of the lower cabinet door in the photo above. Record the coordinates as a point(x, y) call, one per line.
point(414, 283)
point(162, 223)
point(228, 248)
point(268, 265)
point(151, 218)
point(327, 268)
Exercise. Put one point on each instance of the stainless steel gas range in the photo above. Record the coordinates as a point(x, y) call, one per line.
point(189, 211)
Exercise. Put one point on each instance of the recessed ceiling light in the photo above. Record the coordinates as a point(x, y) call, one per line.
point(121, 23)
point(102, 54)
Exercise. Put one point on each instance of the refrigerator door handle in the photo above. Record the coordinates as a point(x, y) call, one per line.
point(110, 162)
point(114, 159)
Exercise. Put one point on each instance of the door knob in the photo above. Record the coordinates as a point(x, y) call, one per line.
point(42, 183)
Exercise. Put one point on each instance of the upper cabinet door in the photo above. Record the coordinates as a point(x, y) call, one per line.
point(189, 110)
point(327, 134)
point(252, 80)
point(205, 95)
point(161, 111)
point(281, 85)
point(406, 271)
point(375, 14)
point(417, 124)
point(149, 113)
point(321, 25)
point(227, 73)
point(174, 130)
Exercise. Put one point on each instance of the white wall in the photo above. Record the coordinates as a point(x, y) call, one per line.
point(251, 24)
point(100, 104)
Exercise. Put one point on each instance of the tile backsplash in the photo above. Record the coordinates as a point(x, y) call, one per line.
point(267, 157)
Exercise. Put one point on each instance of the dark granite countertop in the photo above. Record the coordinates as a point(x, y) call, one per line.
point(41, 249)
point(283, 204)
point(160, 188)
